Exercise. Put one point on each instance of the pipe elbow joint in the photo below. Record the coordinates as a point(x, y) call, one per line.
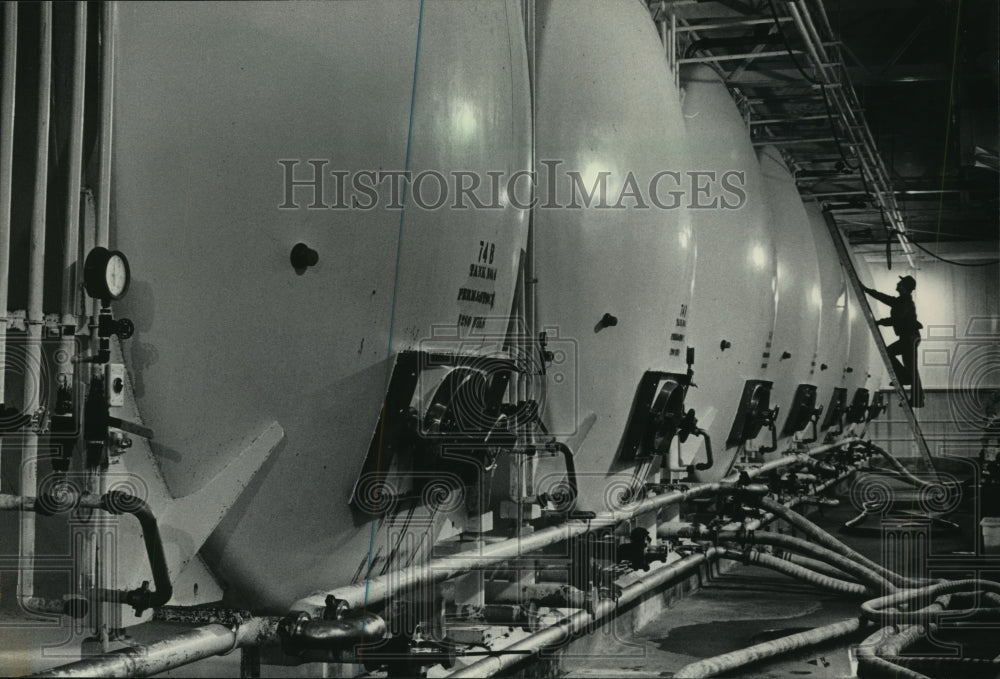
point(300, 632)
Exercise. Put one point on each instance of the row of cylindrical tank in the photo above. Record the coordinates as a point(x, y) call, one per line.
point(231, 122)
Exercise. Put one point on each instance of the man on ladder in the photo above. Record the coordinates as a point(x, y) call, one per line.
point(903, 319)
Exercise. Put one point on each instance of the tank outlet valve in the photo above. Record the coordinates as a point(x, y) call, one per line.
point(303, 257)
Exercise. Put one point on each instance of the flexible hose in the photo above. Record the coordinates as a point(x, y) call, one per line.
point(828, 556)
point(879, 611)
point(815, 565)
point(853, 568)
point(755, 557)
point(710, 667)
point(891, 641)
point(827, 540)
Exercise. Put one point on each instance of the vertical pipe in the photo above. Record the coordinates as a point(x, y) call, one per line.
point(71, 239)
point(105, 615)
point(6, 170)
point(36, 284)
point(107, 115)
point(84, 576)
point(673, 49)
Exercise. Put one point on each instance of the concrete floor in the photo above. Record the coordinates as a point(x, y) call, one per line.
point(747, 605)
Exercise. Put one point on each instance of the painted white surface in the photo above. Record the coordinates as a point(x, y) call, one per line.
point(606, 102)
point(736, 278)
point(228, 336)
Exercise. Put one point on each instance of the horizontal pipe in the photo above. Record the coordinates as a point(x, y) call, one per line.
point(730, 24)
point(300, 632)
point(553, 595)
point(580, 621)
point(377, 590)
point(736, 57)
point(171, 652)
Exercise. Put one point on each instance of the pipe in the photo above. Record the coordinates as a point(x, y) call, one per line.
point(64, 413)
point(728, 662)
point(300, 632)
point(71, 239)
point(570, 467)
point(377, 590)
point(878, 610)
point(815, 565)
point(580, 621)
point(553, 595)
point(113, 502)
point(166, 654)
point(827, 556)
point(755, 557)
point(892, 641)
point(95, 570)
point(830, 542)
point(108, 30)
point(36, 287)
point(7, 89)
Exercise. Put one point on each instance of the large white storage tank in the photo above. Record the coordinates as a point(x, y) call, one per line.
point(229, 337)
point(835, 328)
point(733, 307)
point(800, 298)
point(612, 283)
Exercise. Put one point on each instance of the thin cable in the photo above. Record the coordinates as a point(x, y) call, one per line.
point(950, 261)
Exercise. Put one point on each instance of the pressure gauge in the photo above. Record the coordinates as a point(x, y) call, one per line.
point(106, 274)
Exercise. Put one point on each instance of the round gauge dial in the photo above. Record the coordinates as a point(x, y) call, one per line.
point(116, 274)
point(106, 274)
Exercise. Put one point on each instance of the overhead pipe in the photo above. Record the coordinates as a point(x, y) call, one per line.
point(7, 88)
point(377, 590)
point(36, 288)
point(878, 181)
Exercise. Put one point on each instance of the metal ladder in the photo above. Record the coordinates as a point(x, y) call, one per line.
point(852, 274)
